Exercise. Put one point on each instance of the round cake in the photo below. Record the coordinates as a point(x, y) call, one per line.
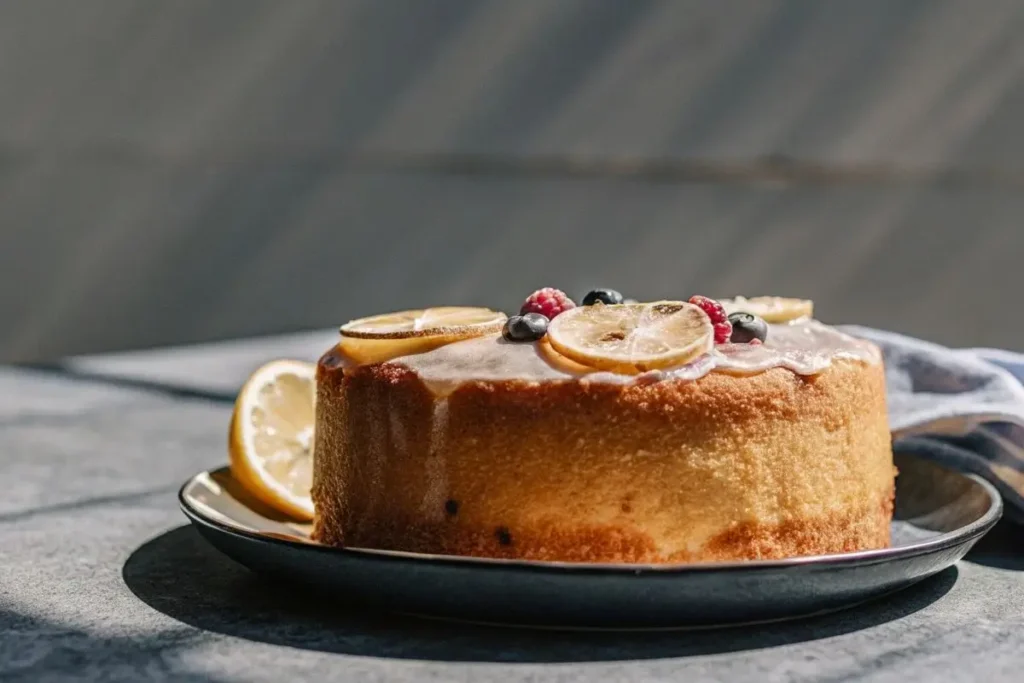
point(758, 440)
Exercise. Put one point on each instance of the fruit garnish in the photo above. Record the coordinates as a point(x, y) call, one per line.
point(380, 338)
point(632, 337)
point(747, 328)
point(523, 328)
point(454, 322)
point(270, 442)
point(602, 296)
point(772, 309)
point(719, 318)
point(549, 302)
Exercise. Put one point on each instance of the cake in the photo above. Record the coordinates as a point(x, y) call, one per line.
point(609, 433)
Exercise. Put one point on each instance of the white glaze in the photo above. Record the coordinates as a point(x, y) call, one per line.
point(805, 346)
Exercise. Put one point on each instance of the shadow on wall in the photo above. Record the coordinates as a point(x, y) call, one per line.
point(231, 172)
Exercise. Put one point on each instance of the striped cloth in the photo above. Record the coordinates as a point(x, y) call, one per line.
point(963, 408)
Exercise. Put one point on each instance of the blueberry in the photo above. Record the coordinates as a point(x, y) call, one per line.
point(528, 327)
point(602, 296)
point(503, 535)
point(746, 327)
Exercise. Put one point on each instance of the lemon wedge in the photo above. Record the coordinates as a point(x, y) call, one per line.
point(270, 443)
point(771, 309)
point(632, 337)
point(380, 338)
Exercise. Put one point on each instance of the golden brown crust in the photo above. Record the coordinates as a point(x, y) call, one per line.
point(855, 530)
point(724, 467)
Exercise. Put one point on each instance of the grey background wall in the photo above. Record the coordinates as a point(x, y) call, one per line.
point(191, 170)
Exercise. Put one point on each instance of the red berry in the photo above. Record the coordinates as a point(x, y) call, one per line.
point(719, 318)
point(549, 302)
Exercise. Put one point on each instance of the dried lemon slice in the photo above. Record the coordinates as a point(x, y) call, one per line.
point(772, 309)
point(271, 436)
point(632, 337)
point(458, 322)
point(380, 338)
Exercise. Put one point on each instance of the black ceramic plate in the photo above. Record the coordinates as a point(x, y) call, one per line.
point(939, 516)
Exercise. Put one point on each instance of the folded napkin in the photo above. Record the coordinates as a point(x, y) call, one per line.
point(963, 408)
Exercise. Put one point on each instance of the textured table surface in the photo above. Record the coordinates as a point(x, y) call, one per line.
point(102, 579)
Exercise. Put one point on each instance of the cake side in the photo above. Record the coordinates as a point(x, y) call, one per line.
point(723, 467)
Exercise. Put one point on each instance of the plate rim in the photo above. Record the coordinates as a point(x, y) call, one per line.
point(944, 541)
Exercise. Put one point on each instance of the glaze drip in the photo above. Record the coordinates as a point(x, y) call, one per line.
point(436, 474)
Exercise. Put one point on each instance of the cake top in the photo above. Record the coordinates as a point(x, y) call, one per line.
point(604, 340)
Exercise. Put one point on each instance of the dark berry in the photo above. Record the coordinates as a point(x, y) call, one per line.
point(747, 328)
point(602, 296)
point(723, 328)
point(331, 359)
point(522, 328)
point(548, 301)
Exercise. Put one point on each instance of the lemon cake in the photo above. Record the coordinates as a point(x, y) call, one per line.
point(609, 432)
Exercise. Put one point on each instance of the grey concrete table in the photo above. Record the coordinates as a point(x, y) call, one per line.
point(102, 579)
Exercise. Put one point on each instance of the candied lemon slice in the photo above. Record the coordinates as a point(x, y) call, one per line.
point(444, 321)
point(382, 337)
point(632, 337)
point(772, 309)
point(270, 444)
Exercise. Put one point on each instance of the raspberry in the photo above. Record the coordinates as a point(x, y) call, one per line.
point(723, 328)
point(548, 302)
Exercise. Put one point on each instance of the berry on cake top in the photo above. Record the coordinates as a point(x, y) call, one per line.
point(605, 332)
